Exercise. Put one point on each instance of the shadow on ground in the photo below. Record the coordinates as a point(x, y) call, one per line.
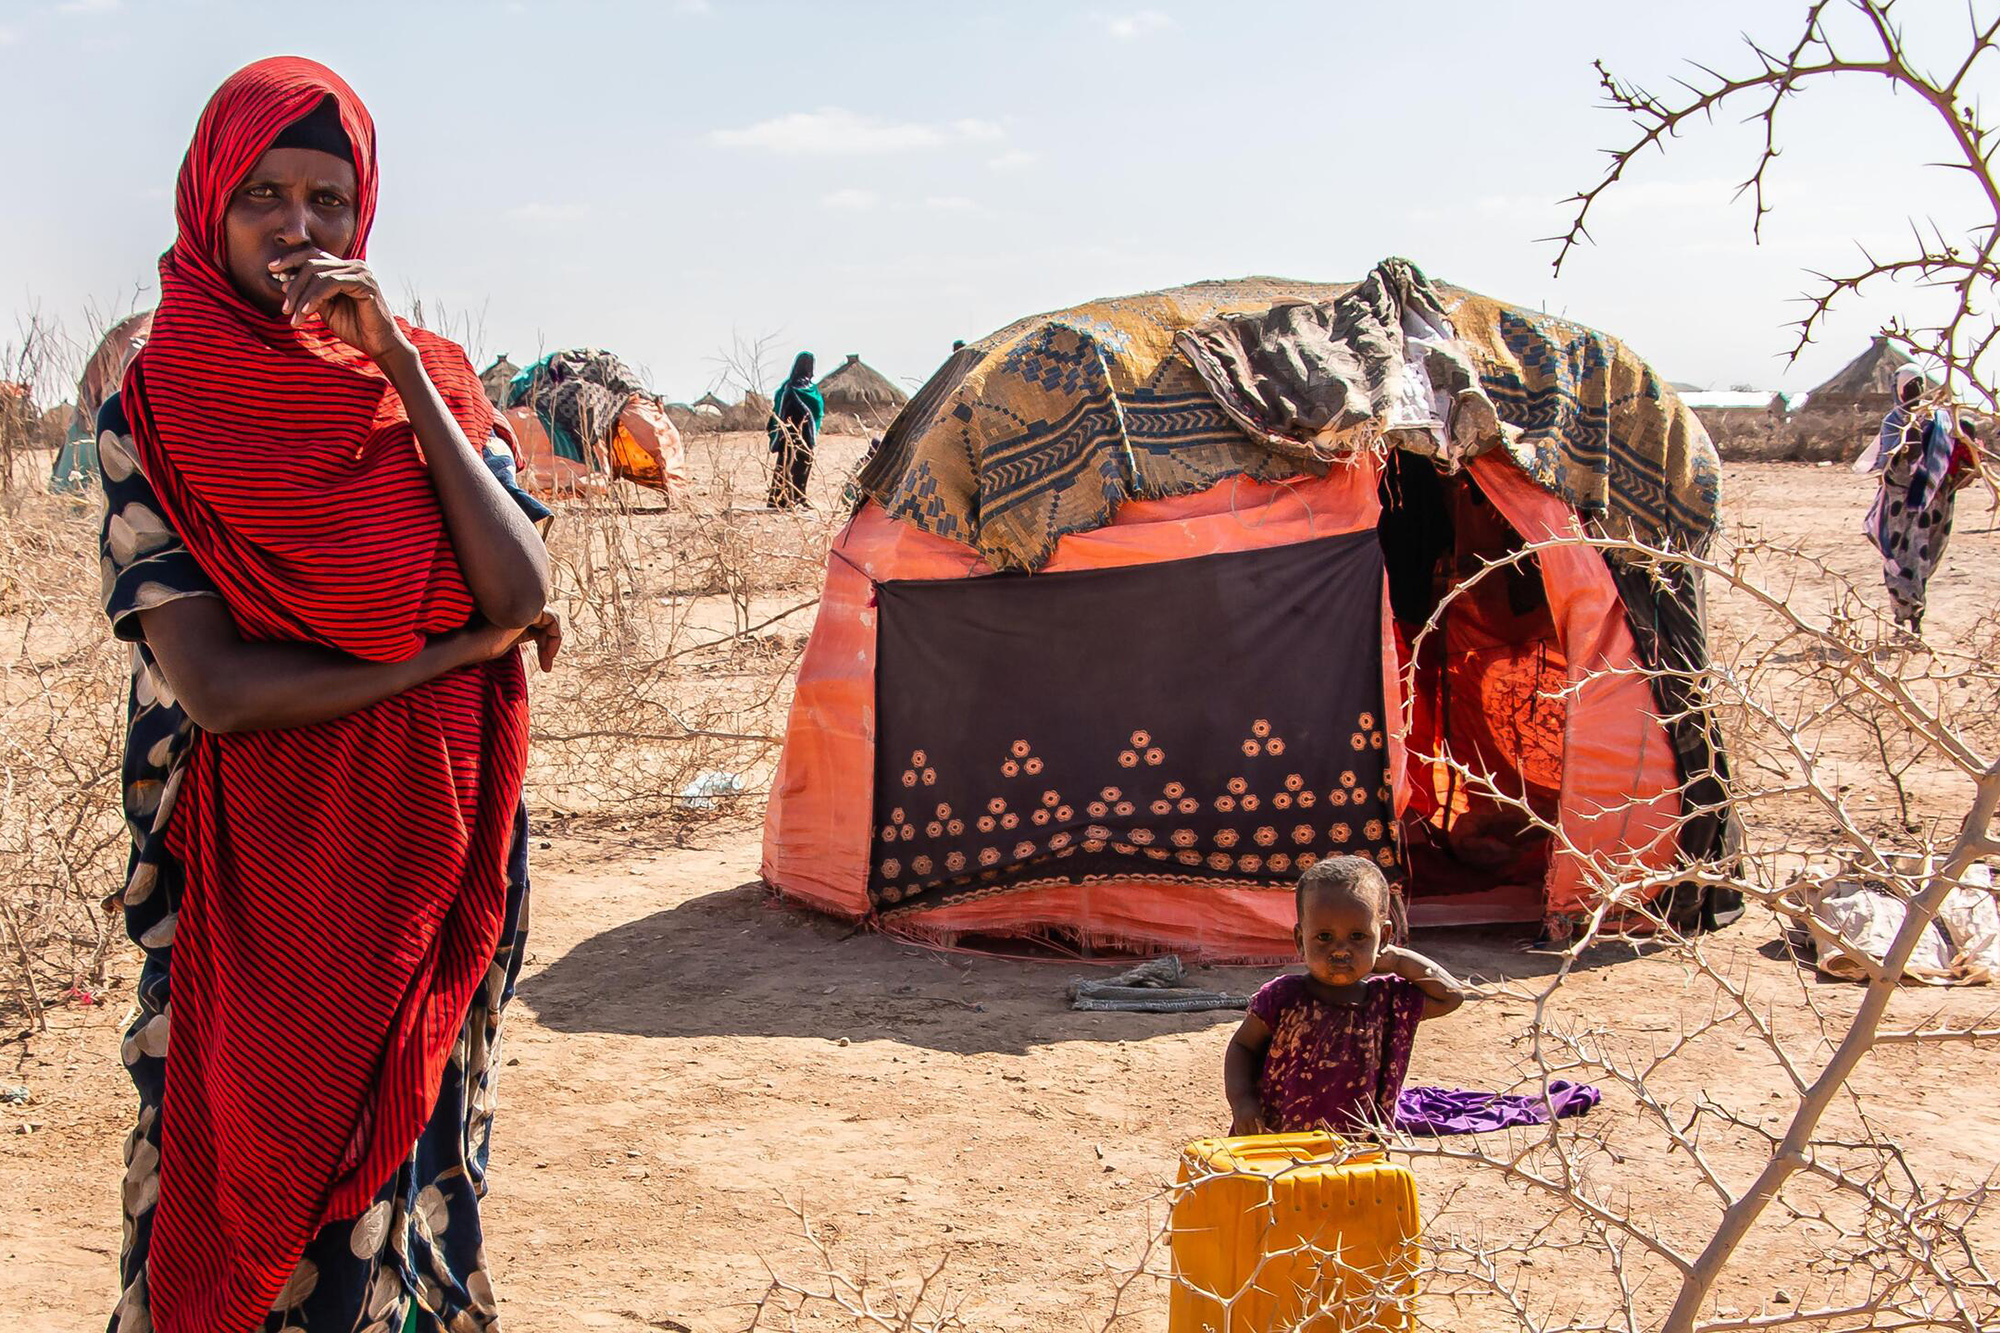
point(742, 963)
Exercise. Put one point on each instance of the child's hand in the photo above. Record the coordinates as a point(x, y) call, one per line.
point(1247, 1119)
point(1399, 962)
point(1442, 993)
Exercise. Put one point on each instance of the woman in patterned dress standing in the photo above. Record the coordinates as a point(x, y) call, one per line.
point(313, 540)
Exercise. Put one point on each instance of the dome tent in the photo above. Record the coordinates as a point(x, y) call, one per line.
point(1144, 743)
point(580, 416)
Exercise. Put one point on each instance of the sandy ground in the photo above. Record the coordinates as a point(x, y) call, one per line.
point(687, 1053)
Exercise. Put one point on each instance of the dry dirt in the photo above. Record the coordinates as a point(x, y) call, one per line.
point(686, 1052)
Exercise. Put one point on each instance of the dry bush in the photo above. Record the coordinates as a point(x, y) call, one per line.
point(1643, 1220)
point(62, 694)
point(683, 627)
point(62, 697)
point(1808, 436)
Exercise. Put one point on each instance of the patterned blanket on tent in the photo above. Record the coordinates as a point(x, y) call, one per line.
point(1049, 425)
point(577, 395)
point(1597, 426)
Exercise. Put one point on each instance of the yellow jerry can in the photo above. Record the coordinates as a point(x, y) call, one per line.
point(1292, 1233)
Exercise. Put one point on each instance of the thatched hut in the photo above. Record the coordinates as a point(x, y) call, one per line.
point(495, 379)
point(857, 389)
point(753, 413)
point(1867, 383)
point(1833, 422)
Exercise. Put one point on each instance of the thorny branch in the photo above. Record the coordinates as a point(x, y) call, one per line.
point(1850, 40)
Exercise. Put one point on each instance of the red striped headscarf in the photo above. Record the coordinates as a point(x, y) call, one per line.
point(345, 883)
point(281, 452)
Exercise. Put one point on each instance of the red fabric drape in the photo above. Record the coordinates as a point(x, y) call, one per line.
point(345, 883)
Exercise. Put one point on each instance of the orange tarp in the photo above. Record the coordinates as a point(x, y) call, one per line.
point(543, 471)
point(1620, 789)
point(645, 449)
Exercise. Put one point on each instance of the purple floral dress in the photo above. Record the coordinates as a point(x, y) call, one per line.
point(1333, 1065)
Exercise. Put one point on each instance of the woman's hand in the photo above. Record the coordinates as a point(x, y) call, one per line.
point(344, 294)
point(1246, 1119)
point(487, 643)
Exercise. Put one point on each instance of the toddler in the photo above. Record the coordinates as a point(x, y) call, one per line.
point(1329, 1049)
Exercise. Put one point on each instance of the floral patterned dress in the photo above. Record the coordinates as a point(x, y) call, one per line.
point(416, 1257)
point(1335, 1065)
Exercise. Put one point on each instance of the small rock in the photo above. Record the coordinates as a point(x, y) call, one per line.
point(14, 1096)
point(841, 1041)
point(513, 1060)
point(1781, 1296)
point(541, 1166)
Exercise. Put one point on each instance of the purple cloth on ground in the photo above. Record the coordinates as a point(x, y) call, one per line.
point(1457, 1111)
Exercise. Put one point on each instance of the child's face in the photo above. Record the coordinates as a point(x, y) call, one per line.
point(1339, 935)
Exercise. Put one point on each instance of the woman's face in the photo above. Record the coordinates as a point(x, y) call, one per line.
point(292, 198)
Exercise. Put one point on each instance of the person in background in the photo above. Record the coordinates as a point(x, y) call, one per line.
point(1925, 457)
point(796, 411)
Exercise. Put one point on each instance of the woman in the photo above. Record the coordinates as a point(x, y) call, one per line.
point(326, 583)
point(1925, 459)
point(796, 412)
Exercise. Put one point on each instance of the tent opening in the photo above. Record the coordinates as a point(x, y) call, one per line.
point(1486, 697)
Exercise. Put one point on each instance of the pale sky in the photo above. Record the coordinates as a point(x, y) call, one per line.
point(884, 177)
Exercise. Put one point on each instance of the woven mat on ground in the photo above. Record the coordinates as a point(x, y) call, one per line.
point(1047, 426)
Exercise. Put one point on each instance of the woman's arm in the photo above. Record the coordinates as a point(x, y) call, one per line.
point(1241, 1065)
point(506, 566)
point(1442, 991)
point(226, 683)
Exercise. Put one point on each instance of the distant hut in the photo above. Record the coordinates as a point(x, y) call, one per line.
point(858, 390)
point(708, 402)
point(1866, 385)
point(688, 421)
point(753, 413)
point(495, 378)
